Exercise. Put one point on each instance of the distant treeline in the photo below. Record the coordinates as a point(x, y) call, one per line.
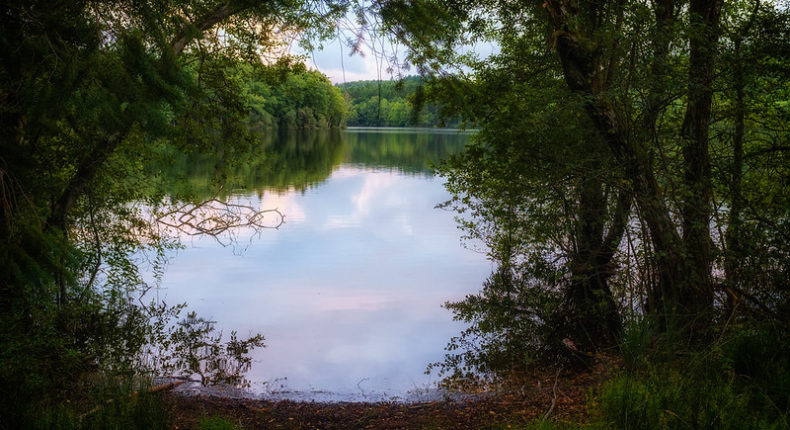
point(288, 95)
point(390, 104)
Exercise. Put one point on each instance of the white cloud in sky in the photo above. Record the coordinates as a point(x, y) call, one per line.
point(334, 61)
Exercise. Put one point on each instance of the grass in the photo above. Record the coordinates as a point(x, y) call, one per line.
point(739, 381)
point(217, 423)
point(101, 405)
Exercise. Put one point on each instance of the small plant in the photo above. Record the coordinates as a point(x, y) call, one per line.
point(507, 332)
point(217, 423)
point(737, 382)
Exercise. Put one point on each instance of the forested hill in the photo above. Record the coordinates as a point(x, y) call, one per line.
point(288, 95)
point(390, 104)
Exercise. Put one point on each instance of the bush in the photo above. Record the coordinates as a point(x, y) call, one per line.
point(107, 404)
point(507, 333)
point(738, 382)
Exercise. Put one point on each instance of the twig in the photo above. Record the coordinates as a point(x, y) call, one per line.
point(554, 395)
point(360, 388)
point(732, 314)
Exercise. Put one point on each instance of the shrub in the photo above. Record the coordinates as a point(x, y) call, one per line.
point(738, 382)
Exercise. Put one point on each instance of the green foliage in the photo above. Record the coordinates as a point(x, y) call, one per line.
point(741, 381)
point(392, 104)
point(636, 342)
point(518, 190)
point(105, 404)
point(288, 95)
point(118, 406)
point(551, 425)
point(89, 91)
point(217, 423)
point(507, 331)
point(634, 148)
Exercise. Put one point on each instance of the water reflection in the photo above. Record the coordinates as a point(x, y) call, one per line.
point(299, 160)
point(348, 291)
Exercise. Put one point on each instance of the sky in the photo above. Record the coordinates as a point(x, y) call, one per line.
point(335, 62)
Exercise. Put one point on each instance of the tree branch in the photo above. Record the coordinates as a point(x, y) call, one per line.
point(216, 218)
point(89, 166)
point(86, 171)
point(220, 13)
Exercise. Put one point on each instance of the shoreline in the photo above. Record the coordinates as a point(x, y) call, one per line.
point(187, 412)
point(409, 130)
point(425, 395)
point(558, 397)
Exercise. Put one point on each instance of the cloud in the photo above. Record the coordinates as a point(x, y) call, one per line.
point(374, 187)
point(334, 61)
point(286, 203)
point(374, 196)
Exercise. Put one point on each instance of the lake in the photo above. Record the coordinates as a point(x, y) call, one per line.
point(349, 290)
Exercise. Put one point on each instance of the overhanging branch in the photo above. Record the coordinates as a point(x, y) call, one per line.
point(205, 22)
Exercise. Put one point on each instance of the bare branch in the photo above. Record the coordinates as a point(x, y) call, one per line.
point(216, 218)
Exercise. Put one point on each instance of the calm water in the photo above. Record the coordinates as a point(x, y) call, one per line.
point(348, 292)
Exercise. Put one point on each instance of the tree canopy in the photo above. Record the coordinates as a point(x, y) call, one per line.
point(90, 92)
point(629, 178)
point(392, 104)
point(610, 171)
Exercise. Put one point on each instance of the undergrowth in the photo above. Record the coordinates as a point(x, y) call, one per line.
point(741, 380)
point(112, 404)
point(738, 380)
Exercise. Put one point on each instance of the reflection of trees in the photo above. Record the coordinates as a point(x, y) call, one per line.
point(295, 159)
point(301, 159)
point(413, 152)
point(218, 219)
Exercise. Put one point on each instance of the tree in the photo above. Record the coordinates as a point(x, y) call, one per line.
point(392, 104)
point(89, 91)
point(121, 66)
point(684, 289)
point(532, 188)
point(648, 78)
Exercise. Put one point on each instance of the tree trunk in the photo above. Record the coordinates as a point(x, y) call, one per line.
point(734, 255)
point(87, 169)
point(668, 299)
point(696, 207)
point(589, 312)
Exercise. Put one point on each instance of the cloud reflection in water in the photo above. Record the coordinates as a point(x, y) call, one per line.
point(348, 292)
